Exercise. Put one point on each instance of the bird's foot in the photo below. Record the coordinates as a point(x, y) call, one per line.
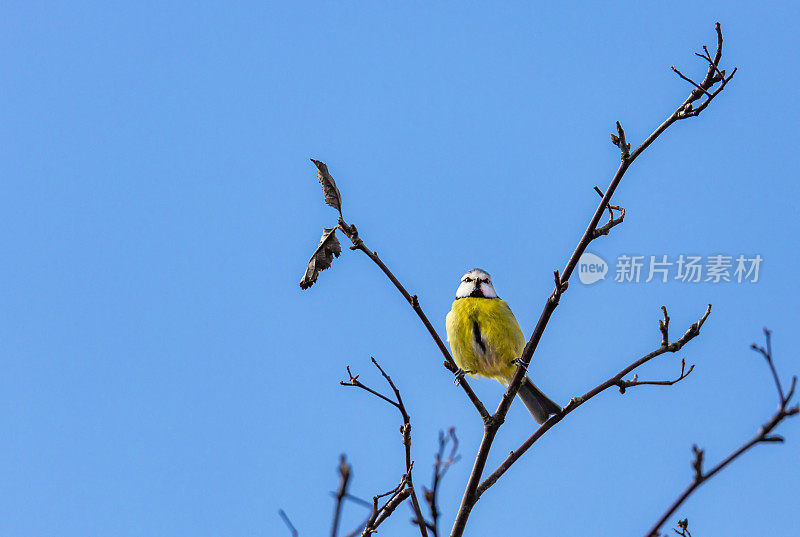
point(519, 363)
point(460, 375)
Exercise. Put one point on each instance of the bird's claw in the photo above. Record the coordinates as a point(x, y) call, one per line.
point(460, 375)
point(519, 363)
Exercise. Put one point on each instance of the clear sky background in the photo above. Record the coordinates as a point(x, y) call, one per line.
point(163, 373)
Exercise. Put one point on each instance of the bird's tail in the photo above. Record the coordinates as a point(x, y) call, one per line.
point(539, 405)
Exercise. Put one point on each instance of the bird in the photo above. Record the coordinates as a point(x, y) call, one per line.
point(486, 340)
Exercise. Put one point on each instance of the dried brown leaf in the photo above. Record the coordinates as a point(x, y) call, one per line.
point(322, 257)
point(329, 188)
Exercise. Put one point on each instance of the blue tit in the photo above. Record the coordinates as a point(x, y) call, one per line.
point(486, 339)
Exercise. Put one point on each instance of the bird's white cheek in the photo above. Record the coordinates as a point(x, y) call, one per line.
point(488, 291)
point(464, 290)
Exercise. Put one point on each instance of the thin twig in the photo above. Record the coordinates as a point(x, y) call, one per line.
point(440, 467)
point(604, 230)
point(344, 480)
point(683, 525)
point(493, 422)
point(692, 82)
point(397, 496)
point(288, 523)
point(762, 436)
point(767, 354)
point(611, 208)
point(390, 506)
point(364, 503)
point(358, 384)
point(625, 384)
point(356, 499)
point(406, 438)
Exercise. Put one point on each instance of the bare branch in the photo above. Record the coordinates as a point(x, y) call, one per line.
point(625, 384)
point(695, 84)
point(611, 220)
point(405, 430)
point(344, 480)
point(358, 384)
point(397, 495)
point(762, 436)
point(288, 523)
point(372, 521)
point(664, 327)
point(603, 230)
point(713, 76)
point(767, 354)
point(400, 406)
point(355, 499)
point(591, 231)
point(440, 467)
point(690, 334)
point(389, 508)
point(697, 463)
point(493, 423)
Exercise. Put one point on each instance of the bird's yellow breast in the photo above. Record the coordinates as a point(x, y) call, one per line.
point(485, 337)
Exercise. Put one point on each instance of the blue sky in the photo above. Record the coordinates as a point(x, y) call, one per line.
point(163, 373)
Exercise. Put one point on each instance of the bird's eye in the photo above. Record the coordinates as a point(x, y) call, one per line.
point(467, 280)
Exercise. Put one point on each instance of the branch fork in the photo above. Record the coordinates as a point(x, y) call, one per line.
point(763, 436)
point(560, 288)
point(714, 76)
point(406, 487)
point(612, 221)
point(623, 385)
point(575, 402)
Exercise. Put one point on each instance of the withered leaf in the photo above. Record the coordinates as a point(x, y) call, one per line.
point(329, 188)
point(322, 257)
